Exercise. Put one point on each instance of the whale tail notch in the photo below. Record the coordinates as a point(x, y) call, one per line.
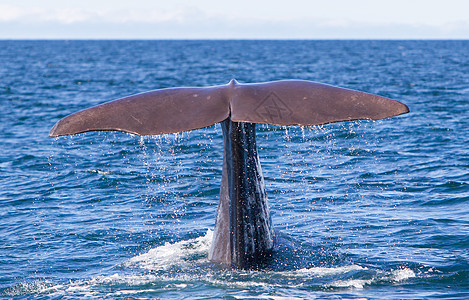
point(287, 102)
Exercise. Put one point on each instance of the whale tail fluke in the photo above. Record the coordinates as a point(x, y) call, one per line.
point(289, 102)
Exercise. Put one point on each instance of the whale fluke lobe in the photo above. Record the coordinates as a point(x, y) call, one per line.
point(288, 102)
point(306, 103)
point(151, 113)
point(243, 234)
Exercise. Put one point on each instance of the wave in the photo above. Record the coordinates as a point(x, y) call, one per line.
point(180, 266)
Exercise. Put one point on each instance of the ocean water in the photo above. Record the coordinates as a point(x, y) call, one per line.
point(369, 210)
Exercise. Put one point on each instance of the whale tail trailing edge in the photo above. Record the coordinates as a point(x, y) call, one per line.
point(289, 102)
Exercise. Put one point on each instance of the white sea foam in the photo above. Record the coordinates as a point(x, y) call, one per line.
point(191, 255)
point(398, 275)
point(351, 283)
point(402, 274)
point(93, 287)
point(171, 254)
point(321, 271)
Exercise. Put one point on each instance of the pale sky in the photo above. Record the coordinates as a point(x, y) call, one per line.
point(235, 19)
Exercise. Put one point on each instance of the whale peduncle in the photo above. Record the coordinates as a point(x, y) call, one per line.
point(243, 210)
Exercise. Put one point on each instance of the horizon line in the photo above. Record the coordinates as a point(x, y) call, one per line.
point(231, 39)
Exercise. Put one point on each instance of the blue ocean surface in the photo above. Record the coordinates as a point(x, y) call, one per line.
point(366, 209)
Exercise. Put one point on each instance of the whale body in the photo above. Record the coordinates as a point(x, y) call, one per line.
point(243, 234)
